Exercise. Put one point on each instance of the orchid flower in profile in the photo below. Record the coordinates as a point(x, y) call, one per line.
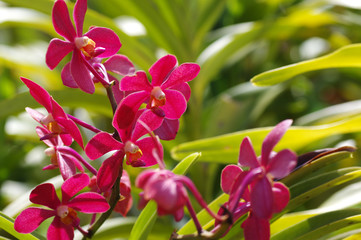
point(57, 121)
point(97, 42)
point(166, 95)
point(261, 195)
point(64, 211)
point(62, 157)
point(137, 150)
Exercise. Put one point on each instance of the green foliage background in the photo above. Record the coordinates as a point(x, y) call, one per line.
point(233, 41)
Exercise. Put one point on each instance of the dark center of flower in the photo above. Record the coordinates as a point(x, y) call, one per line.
point(157, 97)
point(133, 154)
point(67, 215)
point(86, 46)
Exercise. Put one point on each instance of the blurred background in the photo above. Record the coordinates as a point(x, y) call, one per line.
point(232, 41)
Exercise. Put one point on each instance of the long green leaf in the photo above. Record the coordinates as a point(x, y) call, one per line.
point(224, 149)
point(347, 56)
point(147, 217)
point(320, 225)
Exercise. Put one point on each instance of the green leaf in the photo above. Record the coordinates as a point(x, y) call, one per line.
point(320, 225)
point(147, 217)
point(308, 169)
point(225, 148)
point(348, 56)
point(7, 224)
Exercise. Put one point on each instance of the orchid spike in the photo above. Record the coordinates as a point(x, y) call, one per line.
point(97, 42)
point(57, 121)
point(64, 212)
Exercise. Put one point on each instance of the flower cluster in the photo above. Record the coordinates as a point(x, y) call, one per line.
point(145, 112)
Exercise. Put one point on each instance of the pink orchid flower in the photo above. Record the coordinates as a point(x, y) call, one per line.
point(64, 212)
point(57, 121)
point(261, 194)
point(138, 151)
point(162, 187)
point(167, 94)
point(62, 157)
point(97, 42)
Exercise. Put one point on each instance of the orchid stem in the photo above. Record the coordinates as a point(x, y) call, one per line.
point(81, 230)
point(84, 124)
point(114, 198)
point(198, 196)
point(194, 216)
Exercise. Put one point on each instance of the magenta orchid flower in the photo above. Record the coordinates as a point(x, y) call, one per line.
point(167, 94)
point(64, 212)
point(161, 186)
point(138, 151)
point(97, 42)
point(262, 196)
point(57, 121)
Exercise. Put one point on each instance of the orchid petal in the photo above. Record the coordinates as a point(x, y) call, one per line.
point(120, 64)
point(44, 194)
point(37, 116)
point(282, 163)
point(67, 139)
point(80, 73)
point(168, 130)
point(51, 142)
point(100, 144)
point(147, 145)
point(143, 178)
point(281, 196)
point(57, 50)
point(247, 156)
point(104, 38)
point(57, 110)
point(66, 166)
point(262, 198)
point(127, 110)
point(61, 20)
point(38, 93)
point(73, 185)
point(89, 202)
point(256, 228)
point(31, 218)
point(125, 204)
point(229, 174)
point(184, 73)
point(60, 231)
point(273, 138)
point(109, 171)
point(175, 104)
point(78, 15)
point(161, 69)
point(67, 78)
point(184, 88)
point(72, 129)
point(151, 120)
point(139, 82)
